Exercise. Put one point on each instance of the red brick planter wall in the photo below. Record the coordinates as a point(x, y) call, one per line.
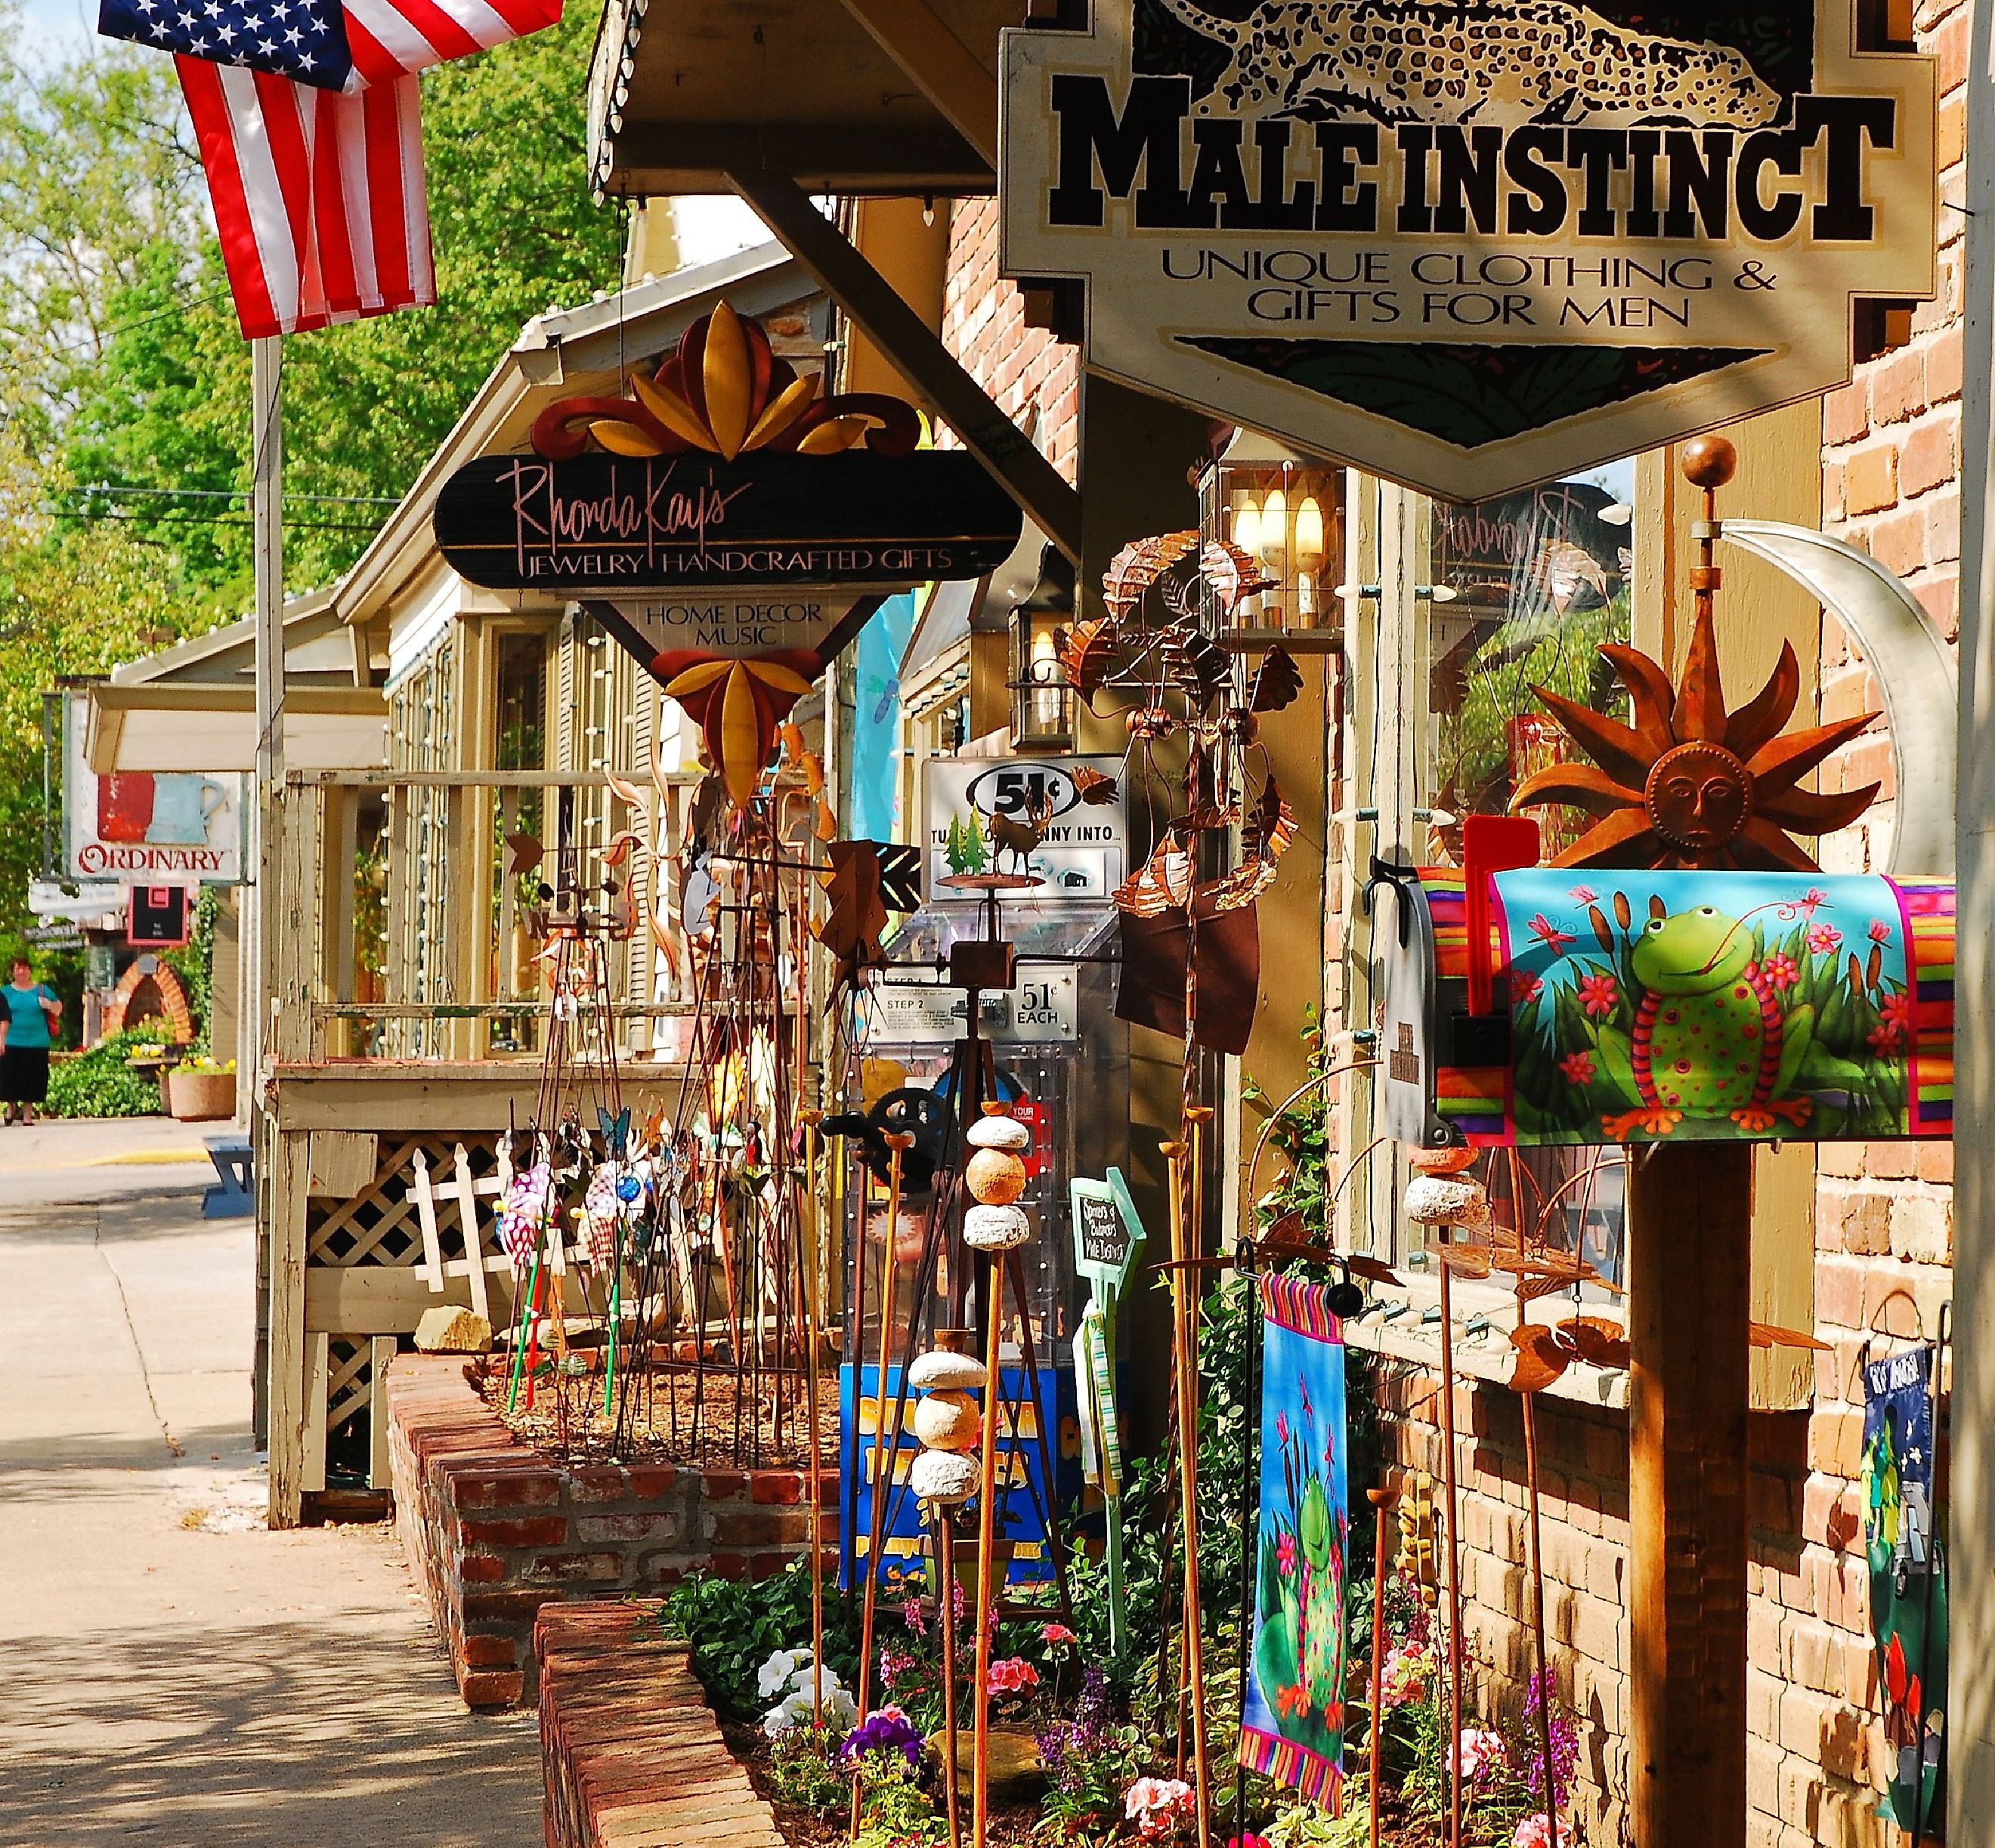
point(630, 1754)
point(496, 1530)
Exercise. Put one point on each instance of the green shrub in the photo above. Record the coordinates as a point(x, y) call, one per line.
point(735, 1625)
point(99, 1083)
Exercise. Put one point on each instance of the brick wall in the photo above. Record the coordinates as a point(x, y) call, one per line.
point(1025, 369)
point(495, 1531)
point(630, 1755)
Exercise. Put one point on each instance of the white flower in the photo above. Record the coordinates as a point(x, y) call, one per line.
point(795, 1708)
point(777, 1672)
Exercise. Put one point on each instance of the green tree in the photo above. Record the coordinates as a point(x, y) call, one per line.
point(365, 404)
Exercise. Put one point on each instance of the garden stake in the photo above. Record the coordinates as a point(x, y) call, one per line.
point(1382, 1501)
point(987, 1535)
point(946, 1615)
point(1183, 1282)
point(1454, 1559)
point(1530, 1406)
point(896, 1146)
point(1250, 1526)
point(519, 1335)
point(808, 1205)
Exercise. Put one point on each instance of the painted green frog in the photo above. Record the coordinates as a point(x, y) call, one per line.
point(1710, 1037)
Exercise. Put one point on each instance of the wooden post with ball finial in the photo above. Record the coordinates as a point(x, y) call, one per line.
point(1688, 1276)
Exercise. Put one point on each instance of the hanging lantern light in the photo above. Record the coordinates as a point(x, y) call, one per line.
point(1285, 513)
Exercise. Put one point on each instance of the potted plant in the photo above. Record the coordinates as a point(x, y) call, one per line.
point(198, 1090)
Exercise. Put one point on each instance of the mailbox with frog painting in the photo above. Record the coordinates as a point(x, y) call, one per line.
point(1668, 1005)
point(1684, 970)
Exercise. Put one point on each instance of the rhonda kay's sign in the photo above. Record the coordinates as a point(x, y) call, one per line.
point(694, 551)
point(729, 508)
point(1470, 247)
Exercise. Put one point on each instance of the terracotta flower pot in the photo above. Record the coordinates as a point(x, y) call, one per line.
point(200, 1096)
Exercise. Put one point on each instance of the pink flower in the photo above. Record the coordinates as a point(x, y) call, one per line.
point(1598, 995)
point(1250, 1839)
point(1524, 987)
point(1880, 932)
point(1780, 970)
point(1886, 1036)
point(911, 1614)
point(1285, 1554)
point(1478, 1752)
point(1404, 1678)
point(893, 1663)
point(1549, 934)
point(1533, 1832)
point(1898, 1009)
point(1056, 1636)
point(1577, 1067)
point(1158, 1806)
point(1013, 1677)
point(1822, 938)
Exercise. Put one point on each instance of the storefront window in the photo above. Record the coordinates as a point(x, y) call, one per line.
point(1530, 586)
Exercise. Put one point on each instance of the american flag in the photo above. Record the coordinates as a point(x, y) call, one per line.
point(310, 133)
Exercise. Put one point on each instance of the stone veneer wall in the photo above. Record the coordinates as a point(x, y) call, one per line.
point(495, 1530)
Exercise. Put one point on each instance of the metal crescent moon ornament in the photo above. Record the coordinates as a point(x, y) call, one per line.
point(1890, 627)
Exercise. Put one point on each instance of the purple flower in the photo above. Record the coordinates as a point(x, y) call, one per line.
point(889, 1730)
point(1565, 1746)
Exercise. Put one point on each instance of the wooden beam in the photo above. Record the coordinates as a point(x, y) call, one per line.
point(290, 1383)
point(939, 65)
point(917, 350)
point(1689, 1302)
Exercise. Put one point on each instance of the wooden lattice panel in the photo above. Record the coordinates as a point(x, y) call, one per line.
point(380, 1225)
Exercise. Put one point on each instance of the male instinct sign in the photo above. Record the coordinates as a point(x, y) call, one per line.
point(1471, 247)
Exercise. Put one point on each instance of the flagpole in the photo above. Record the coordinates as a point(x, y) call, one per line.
point(267, 460)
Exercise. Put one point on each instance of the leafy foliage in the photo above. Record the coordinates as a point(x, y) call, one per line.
point(803, 1767)
point(99, 1083)
point(734, 1625)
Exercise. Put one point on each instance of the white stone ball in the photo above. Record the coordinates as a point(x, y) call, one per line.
point(998, 1133)
point(939, 1370)
point(1446, 1200)
point(946, 1476)
point(996, 1228)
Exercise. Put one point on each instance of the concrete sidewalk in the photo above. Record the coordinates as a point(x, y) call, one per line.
point(176, 1673)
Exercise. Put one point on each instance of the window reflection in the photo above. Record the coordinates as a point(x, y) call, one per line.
point(1539, 580)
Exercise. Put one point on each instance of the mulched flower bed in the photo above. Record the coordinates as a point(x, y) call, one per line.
point(710, 1418)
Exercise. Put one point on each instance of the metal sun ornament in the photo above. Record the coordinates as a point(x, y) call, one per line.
point(726, 391)
point(1690, 784)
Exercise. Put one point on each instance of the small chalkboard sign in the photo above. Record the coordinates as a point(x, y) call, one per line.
point(1106, 1230)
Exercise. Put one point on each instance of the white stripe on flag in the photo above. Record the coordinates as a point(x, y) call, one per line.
point(396, 35)
point(351, 152)
point(415, 194)
point(269, 220)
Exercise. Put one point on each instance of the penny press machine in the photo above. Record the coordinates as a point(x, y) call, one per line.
point(999, 990)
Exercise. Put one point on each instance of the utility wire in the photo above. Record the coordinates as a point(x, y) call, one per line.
point(216, 519)
point(236, 494)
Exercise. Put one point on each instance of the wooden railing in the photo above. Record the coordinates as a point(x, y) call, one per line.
point(435, 961)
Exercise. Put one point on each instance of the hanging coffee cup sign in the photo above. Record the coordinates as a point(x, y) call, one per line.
point(1471, 248)
point(725, 507)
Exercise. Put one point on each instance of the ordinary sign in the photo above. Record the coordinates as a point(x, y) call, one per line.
point(1471, 247)
point(135, 827)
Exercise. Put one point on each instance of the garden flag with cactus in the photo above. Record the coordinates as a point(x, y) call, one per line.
point(1901, 1542)
point(1293, 1726)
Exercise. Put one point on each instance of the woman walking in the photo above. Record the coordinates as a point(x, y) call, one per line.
point(33, 1011)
